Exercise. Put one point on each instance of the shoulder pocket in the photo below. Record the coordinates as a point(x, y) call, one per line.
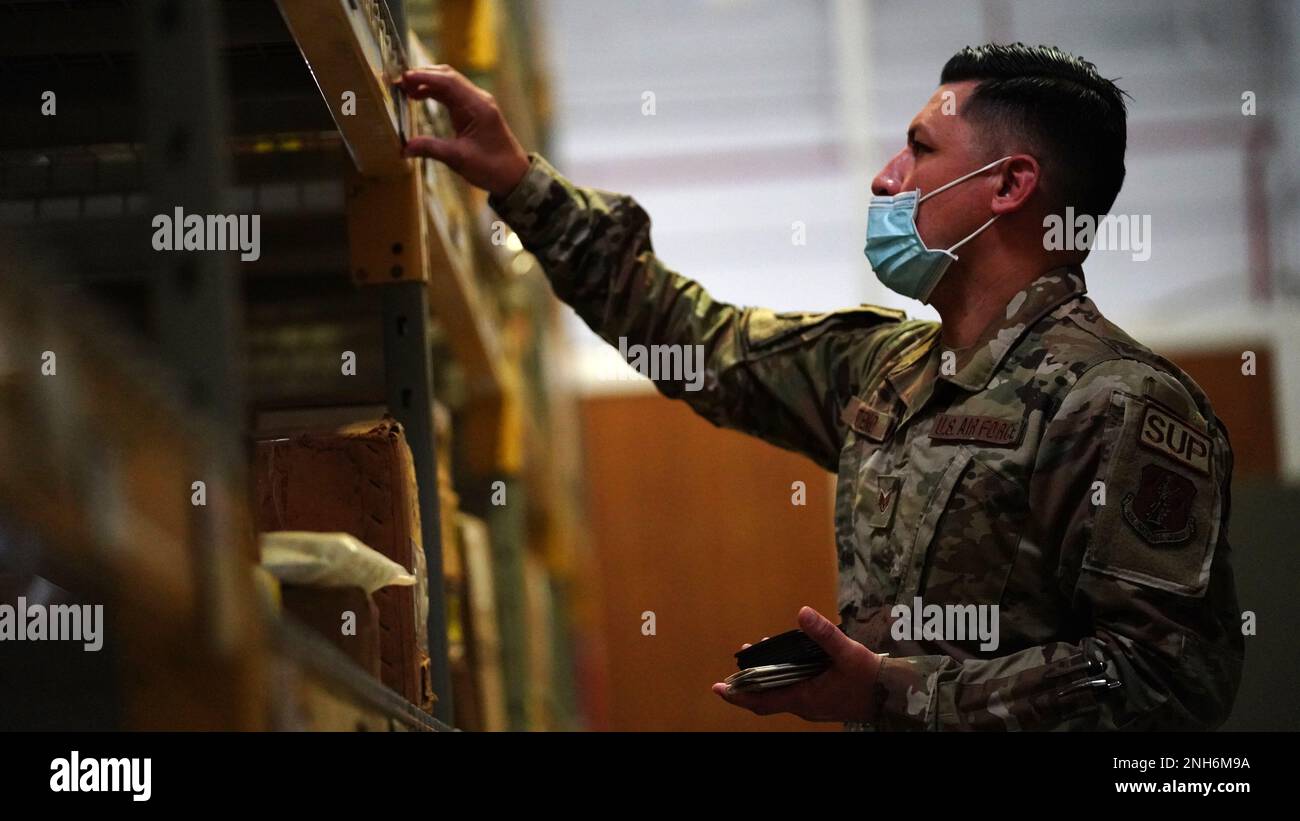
point(1160, 521)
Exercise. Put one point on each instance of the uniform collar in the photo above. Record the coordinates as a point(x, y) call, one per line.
point(914, 375)
point(977, 363)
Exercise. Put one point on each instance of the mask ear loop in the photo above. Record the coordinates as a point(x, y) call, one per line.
point(978, 231)
point(962, 179)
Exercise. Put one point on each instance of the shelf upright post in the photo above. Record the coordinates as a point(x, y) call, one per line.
point(408, 378)
point(195, 293)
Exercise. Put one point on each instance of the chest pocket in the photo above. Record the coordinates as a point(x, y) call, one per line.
point(867, 446)
point(974, 522)
point(919, 515)
point(899, 496)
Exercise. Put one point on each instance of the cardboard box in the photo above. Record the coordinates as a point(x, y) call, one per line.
point(358, 479)
point(323, 610)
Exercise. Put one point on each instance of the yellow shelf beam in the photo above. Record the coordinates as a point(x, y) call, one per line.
point(350, 50)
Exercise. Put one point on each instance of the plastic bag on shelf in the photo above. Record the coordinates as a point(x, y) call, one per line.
point(329, 560)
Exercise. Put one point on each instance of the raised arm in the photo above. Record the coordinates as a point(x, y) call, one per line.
point(782, 377)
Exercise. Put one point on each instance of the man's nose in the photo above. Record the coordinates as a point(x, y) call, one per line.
point(890, 179)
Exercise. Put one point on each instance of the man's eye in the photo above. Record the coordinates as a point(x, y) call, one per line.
point(920, 148)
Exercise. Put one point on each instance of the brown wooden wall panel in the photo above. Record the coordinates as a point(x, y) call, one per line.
point(1244, 403)
point(696, 524)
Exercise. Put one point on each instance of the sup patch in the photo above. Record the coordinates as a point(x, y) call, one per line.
point(1166, 434)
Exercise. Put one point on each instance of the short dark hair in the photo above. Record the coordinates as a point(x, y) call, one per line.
point(1073, 119)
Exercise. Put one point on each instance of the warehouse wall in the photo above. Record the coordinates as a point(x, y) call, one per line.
point(697, 526)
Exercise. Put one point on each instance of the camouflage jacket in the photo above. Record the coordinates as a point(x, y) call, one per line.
point(1056, 469)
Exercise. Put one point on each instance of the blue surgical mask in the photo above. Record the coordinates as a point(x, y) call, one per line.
point(897, 253)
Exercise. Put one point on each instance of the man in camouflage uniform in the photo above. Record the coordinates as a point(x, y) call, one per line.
point(1024, 453)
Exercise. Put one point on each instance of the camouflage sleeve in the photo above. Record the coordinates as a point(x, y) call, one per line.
point(782, 377)
point(1129, 498)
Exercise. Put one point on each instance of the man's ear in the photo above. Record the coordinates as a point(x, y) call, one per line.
point(1017, 182)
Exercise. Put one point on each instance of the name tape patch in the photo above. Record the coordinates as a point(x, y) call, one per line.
point(871, 423)
point(957, 427)
point(1167, 434)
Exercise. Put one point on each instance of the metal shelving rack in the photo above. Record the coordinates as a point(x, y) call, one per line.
point(174, 61)
point(405, 237)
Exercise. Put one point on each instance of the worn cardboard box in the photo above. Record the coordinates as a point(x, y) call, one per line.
point(322, 608)
point(358, 479)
